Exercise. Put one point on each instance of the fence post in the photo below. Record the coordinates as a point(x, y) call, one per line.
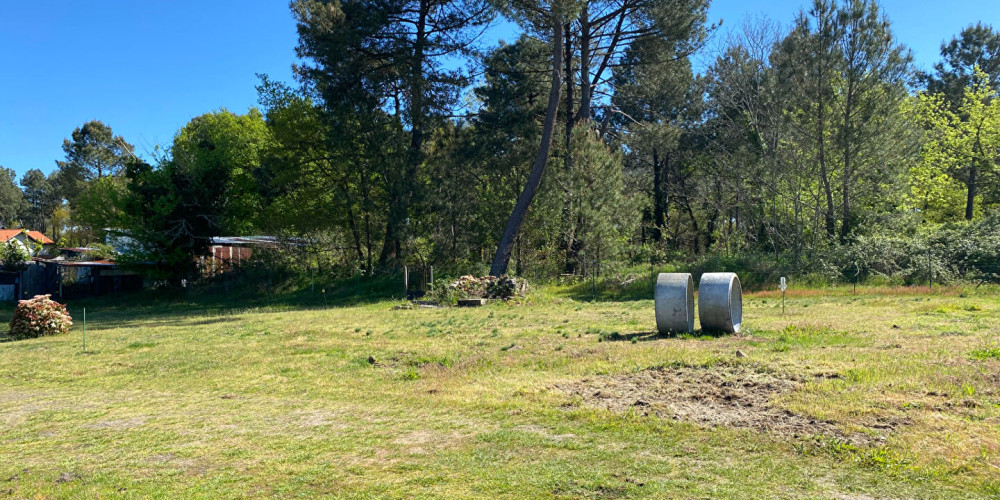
point(406, 281)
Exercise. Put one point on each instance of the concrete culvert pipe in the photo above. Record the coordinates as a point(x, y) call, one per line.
point(720, 302)
point(673, 299)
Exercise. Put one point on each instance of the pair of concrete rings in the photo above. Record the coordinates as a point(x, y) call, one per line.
point(720, 302)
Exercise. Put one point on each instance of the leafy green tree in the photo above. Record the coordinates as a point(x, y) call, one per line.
point(207, 188)
point(601, 215)
point(486, 163)
point(962, 148)
point(224, 150)
point(93, 153)
point(845, 77)
point(546, 20)
point(325, 175)
point(99, 206)
point(386, 57)
point(976, 46)
point(12, 203)
point(657, 103)
point(41, 197)
point(875, 70)
point(14, 256)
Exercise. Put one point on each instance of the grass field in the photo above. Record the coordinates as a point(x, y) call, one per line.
point(890, 393)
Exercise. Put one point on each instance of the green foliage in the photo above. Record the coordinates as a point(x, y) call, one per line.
point(93, 153)
point(223, 150)
point(985, 353)
point(976, 46)
point(443, 293)
point(960, 153)
point(99, 205)
point(208, 188)
point(598, 215)
point(41, 197)
point(796, 153)
point(914, 253)
point(102, 251)
point(382, 66)
point(12, 203)
point(14, 256)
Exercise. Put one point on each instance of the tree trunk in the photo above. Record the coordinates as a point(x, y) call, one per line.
point(402, 191)
point(570, 244)
point(846, 135)
point(586, 90)
point(659, 219)
point(831, 225)
point(569, 98)
point(970, 198)
point(502, 257)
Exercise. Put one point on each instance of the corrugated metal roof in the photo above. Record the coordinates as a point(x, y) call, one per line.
point(89, 263)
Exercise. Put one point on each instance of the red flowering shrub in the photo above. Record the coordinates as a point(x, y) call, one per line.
point(38, 317)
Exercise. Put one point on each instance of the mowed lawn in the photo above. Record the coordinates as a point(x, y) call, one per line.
point(511, 401)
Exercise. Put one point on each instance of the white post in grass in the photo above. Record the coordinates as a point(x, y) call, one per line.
point(783, 285)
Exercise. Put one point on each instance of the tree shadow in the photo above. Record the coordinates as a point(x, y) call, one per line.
point(654, 335)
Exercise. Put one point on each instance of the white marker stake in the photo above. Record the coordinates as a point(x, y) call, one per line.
point(783, 285)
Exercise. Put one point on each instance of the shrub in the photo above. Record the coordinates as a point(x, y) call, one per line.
point(14, 256)
point(39, 317)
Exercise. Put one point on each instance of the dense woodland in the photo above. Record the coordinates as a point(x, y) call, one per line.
point(589, 144)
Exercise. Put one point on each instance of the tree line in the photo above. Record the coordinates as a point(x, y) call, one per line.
point(588, 143)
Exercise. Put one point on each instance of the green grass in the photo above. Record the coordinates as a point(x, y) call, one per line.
point(986, 353)
point(193, 398)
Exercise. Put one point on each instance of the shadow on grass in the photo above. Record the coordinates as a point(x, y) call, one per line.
point(649, 336)
point(215, 302)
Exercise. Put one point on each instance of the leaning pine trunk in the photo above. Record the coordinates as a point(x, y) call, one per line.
point(502, 257)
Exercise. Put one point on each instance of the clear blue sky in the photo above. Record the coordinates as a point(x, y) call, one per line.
point(147, 67)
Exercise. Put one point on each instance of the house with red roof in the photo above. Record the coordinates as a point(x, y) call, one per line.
point(34, 242)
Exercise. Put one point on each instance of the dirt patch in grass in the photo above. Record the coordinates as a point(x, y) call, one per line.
point(726, 396)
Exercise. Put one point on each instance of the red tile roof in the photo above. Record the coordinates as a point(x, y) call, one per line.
point(9, 234)
point(41, 238)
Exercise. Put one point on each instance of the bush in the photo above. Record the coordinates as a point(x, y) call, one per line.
point(39, 317)
point(13, 256)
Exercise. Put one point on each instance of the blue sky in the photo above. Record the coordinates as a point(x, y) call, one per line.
point(147, 67)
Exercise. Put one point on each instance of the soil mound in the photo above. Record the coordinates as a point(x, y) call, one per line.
point(731, 396)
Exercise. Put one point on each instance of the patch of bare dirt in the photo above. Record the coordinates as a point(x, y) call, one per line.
point(727, 396)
